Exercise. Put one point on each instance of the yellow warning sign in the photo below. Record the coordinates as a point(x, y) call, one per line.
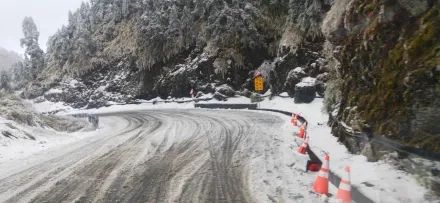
point(259, 83)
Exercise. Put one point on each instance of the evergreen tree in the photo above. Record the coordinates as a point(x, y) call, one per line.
point(5, 81)
point(34, 55)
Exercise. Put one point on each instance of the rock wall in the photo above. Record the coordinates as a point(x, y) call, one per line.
point(389, 68)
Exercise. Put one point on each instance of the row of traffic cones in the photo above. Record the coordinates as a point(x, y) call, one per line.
point(302, 128)
point(321, 183)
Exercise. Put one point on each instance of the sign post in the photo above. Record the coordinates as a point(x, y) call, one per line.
point(258, 85)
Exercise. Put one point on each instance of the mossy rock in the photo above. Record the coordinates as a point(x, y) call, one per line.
point(399, 61)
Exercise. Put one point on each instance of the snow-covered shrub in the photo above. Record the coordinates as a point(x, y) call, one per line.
point(13, 108)
point(64, 124)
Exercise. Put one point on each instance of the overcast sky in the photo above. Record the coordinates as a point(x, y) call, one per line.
point(49, 15)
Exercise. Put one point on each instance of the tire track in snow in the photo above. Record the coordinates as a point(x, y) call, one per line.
point(29, 180)
point(162, 156)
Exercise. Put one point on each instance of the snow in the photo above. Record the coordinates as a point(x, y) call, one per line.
point(298, 70)
point(284, 94)
point(47, 106)
point(22, 146)
point(133, 107)
point(54, 91)
point(19, 155)
point(267, 93)
point(284, 171)
point(73, 83)
point(307, 81)
point(179, 71)
point(102, 88)
point(389, 184)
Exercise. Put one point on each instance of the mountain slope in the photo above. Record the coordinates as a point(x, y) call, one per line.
point(138, 44)
point(8, 58)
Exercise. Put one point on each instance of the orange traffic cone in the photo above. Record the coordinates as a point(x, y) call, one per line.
point(293, 120)
point(301, 131)
point(321, 183)
point(344, 192)
point(303, 148)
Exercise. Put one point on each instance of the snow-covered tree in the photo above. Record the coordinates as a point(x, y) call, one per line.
point(18, 72)
point(35, 60)
point(5, 81)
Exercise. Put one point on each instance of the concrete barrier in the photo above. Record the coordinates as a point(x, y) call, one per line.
point(226, 106)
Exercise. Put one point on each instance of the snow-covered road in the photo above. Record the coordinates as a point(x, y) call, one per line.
point(165, 156)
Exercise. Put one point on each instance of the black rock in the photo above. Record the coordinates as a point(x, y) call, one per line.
point(225, 90)
point(320, 85)
point(305, 92)
point(435, 172)
point(293, 78)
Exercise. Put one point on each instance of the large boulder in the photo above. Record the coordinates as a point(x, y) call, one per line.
point(320, 84)
point(225, 90)
point(368, 152)
point(220, 96)
point(320, 65)
point(293, 78)
point(206, 89)
point(305, 91)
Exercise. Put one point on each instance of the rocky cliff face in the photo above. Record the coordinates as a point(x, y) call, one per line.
point(389, 69)
point(376, 61)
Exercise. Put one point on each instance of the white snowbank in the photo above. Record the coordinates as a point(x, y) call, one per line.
point(390, 185)
point(19, 155)
point(47, 106)
point(27, 140)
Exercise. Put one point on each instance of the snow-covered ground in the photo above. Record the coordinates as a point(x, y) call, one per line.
point(379, 181)
point(47, 106)
point(26, 140)
point(389, 184)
